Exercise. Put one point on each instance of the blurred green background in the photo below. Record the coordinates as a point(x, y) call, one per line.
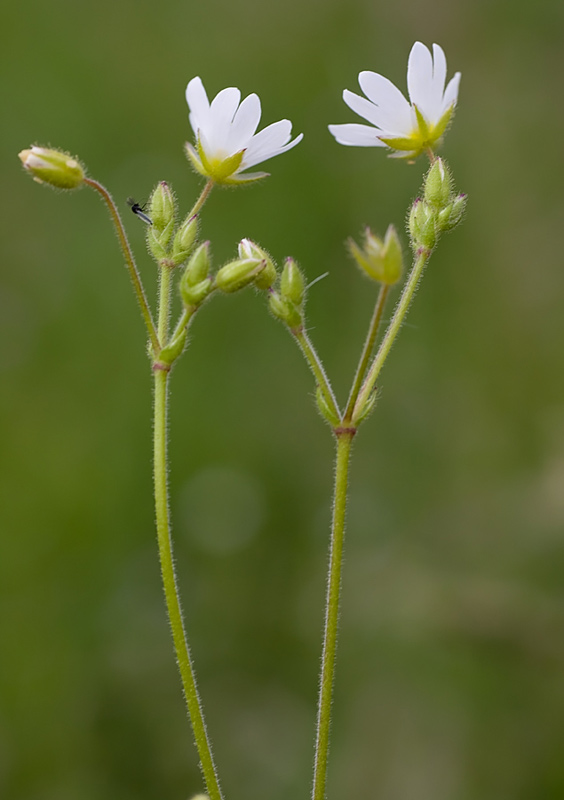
point(451, 671)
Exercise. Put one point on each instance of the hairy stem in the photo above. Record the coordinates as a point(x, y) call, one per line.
point(402, 307)
point(367, 350)
point(316, 367)
point(170, 585)
point(130, 262)
point(327, 678)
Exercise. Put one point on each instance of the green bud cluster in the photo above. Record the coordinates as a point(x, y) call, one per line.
point(380, 260)
point(287, 304)
point(439, 209)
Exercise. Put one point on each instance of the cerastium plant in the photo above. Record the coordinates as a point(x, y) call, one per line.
point(226, 146)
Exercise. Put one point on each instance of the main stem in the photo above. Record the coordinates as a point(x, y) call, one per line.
point(170, 585)
point(344, 441)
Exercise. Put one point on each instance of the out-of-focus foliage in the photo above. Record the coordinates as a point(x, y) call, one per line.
point(451, 672)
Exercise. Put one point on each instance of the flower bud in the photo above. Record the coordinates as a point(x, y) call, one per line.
point(285, 310)
point(448, 221)
point(198, 268)
point(422, 226)
point(292, 283)
point(380, 260)
point(184, 239)
point(171, 351)
point(237, 274)
point(267, 277)
point(437, 188)
point(163, 212)
point(54, 167)
point(194, 296)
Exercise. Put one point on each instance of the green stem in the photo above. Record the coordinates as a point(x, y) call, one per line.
point(130, 261)
point(165, 281)
point(183, 656)
point(344, 440)
point(316, 367)
point(202, 198)
point(367, 350)
point(402, 307)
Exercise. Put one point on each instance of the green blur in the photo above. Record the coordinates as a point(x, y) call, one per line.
point(450, 680)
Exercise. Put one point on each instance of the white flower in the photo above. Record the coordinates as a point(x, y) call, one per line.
point(407, 128)
point(226, 142)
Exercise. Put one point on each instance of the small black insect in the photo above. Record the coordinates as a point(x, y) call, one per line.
point(139, 210)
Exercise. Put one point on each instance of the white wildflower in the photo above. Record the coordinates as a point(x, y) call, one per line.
point(408, 128)
point(226, 142)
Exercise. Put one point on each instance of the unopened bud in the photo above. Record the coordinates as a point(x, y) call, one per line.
point(163, 212)
point(194, 296)
point(198, 267)
point(184, 239)
point(237, 274)
point(285, 310)
point(437, 189)
point(292, 283)
point(267, 277)
point(171, 351)
point(456, 212)
point(422, 226)
point(54, 167)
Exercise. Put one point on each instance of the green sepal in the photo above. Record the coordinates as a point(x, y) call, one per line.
point(402, 143)
point(424, 131)
point(157, 250)
point(184, 240)
point(171, 351)
point(443, 123)
point(237, 274)
point(198, 267)
point(292, 283)
point(219, 171)
point(194, 296)
point(367, 409)
point(325, 409)
point(285, 311)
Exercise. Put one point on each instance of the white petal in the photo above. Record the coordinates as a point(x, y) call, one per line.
point(198, 104)
point(245, 123)
point(420, 79)
point(439, 69)
point(451, 93)
point(361, 106)
point(382, 92)
point(265, 142)
point(222, 110)
point(355, 135)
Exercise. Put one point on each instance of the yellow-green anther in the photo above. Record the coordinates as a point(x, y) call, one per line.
point(237, 274)
point(184, 239)
point(54, 167)
point(292, 283)
point(437, 190)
